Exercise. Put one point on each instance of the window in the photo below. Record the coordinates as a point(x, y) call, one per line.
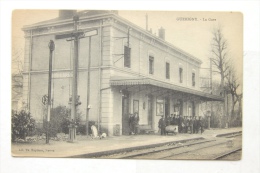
point(193, 79)
point(159, 107)
point(180, 74)
point(127, 57)
point(151, 65)
point(167, 70)
point(136, 106)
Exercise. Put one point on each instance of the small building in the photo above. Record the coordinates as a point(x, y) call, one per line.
point(132, 70)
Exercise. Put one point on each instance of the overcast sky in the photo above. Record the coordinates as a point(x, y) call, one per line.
point(193, 37)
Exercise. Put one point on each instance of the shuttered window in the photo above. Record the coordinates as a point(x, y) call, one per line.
point(151, 65)
point(167, 70)
point(181, 74)
point(127, 57)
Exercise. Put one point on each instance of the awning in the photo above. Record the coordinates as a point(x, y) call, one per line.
point(130, 81)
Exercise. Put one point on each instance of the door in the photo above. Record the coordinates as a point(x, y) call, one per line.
point(193, 109)
point(150, 110)
point(125, 113)
point(167, 108)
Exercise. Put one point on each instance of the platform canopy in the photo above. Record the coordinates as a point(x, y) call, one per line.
point(139, 81)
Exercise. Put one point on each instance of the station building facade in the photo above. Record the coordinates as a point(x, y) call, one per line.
point(132, 70)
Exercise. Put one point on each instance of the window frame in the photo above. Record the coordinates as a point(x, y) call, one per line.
point(151, 65)
point(193, 79)
point(180, 74)
point(126, 48)
point(167, 71)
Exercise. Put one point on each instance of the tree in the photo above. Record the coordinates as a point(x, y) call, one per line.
point(232, 86)
point(219, 54)
point(22, 124)
point(17, 77)
point(220, 60)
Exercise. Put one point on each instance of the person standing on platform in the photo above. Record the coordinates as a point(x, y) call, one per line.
point(178, 122)
point(162, 125)
point(181, 124)
point(190, 124)
point(174, 120)
point(135, 122)
point(197, 125)
point(171, 119)
point(168, 120)
point(185, 122)
point(131, 123)
point(201, 125)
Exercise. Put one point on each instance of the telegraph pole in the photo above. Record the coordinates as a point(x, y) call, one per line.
point(76, 35)
point(51, 47)
point(72, 130)
point(88, 89)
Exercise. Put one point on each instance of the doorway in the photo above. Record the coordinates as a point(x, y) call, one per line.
point(167, 107)
point(150, 110)
point(125, 113)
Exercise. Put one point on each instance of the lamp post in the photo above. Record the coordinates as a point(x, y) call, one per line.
point(51, 47)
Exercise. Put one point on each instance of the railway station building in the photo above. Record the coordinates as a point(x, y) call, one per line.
point(132, 70)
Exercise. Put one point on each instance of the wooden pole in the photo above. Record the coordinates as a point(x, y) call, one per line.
point(51, 47)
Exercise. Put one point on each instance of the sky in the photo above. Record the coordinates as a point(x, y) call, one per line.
point(193, 36)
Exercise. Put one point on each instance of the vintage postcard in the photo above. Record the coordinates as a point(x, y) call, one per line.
point(161, 85)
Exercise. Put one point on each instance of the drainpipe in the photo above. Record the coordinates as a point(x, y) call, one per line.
point(100, 75)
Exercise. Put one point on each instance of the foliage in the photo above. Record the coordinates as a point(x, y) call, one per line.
point(60, 121)
point(22, 124)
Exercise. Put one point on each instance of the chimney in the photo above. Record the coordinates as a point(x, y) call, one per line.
point(67, 14)
point(146, 22)
point(114, 11)
point(161, 33)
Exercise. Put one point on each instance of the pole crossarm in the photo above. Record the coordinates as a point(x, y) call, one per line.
point(70, 35)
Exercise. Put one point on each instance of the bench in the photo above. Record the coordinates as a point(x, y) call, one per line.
point(145, 129)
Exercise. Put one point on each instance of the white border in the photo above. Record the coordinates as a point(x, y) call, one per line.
point(250, 159)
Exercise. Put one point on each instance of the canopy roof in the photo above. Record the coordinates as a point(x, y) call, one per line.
point(131, 81)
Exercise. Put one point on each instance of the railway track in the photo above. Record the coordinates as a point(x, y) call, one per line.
point(221, 156)
point(203, 149)
point(137, 153)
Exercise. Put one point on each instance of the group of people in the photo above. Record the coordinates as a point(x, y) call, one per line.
point(133, 123)
point(186, 124)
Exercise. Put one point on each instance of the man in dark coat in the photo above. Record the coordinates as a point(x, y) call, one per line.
point(190, 124)
point(201, 125)
point(174, 120)
point(162, 125)
point(181, 124)
point(197, 125)
point(135, 122)
point(168, 120)
point(131, 124)
point(185, 122)
point(194, 124)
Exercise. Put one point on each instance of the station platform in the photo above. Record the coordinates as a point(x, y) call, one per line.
point(88, 147)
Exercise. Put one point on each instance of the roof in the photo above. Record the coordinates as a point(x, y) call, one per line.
point(130, 81)
point(98, 14)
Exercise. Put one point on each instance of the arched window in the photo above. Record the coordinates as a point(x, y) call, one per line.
point(167, 70)
point(193, 79)
point(151, 64)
